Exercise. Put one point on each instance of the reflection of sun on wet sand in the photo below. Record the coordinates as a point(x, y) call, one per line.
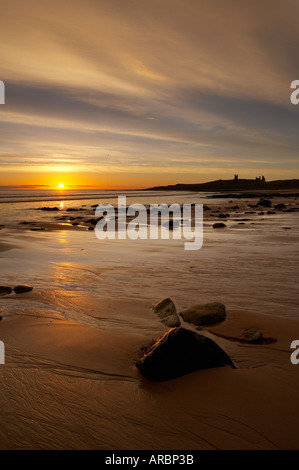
point(70, 380)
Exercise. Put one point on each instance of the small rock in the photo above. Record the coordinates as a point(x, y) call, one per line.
point(253, 336)
point(48, 209)
point(219, 225)
point(280, 206)
point(5, 290)
point(223, 216)
point(22, 288)
point(206, 314)
point(264, 203)
point(167, 313)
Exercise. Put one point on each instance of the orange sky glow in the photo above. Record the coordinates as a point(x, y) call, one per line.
point(123, 94)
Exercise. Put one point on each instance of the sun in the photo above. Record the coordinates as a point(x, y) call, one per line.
point(61, 186)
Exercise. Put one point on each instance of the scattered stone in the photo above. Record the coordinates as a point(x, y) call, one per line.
point(264, 203)
point(286, 228)
point(167, 313)
point(48, 209)
point(235, 207)
point(271, 212)
point(22, 288)
point(223, 216)
point(280, 206)
point(219, 225)
point(253, 336)
point(37, 229)
point(90, 228)
point(206, 314)
point(250, 212)
point(179, 352)
point(70, 209)
point(5, 290)
point(92, 221)
point(206, 208)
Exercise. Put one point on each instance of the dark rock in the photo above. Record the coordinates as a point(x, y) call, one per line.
point(92, 221)
point(90, 228)
point(235, 207)
point(70, 209)
point(37, 229)
point(167, 314)
point(219, 225)
point(206, 208)
point(271, 212)
point(5, 290)
point(280, 206)
point(253, 336)
point(48, 209)
point(223, 216)
point(179, 352)
point(22, 288)
point(206, 314)
point(264, 203)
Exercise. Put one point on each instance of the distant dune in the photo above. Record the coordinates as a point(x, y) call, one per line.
point(233, 185)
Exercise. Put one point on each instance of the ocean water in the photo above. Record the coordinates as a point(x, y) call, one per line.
point(21, 205)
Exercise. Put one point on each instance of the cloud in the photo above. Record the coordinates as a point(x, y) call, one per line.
point(173, 84)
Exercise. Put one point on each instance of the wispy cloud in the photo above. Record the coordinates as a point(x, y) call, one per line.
point(185, 87)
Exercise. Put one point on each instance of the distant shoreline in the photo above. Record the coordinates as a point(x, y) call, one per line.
point(234, 185)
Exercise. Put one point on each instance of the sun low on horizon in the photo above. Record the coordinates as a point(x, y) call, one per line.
point(61, 186)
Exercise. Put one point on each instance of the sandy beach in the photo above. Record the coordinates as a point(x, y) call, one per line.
point(69, 380)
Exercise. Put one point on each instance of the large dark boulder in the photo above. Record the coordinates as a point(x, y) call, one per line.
point(179, 352)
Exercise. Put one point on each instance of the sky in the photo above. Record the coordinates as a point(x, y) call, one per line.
point(136, 93)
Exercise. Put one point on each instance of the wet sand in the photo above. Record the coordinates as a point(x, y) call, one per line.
point(69, 381)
